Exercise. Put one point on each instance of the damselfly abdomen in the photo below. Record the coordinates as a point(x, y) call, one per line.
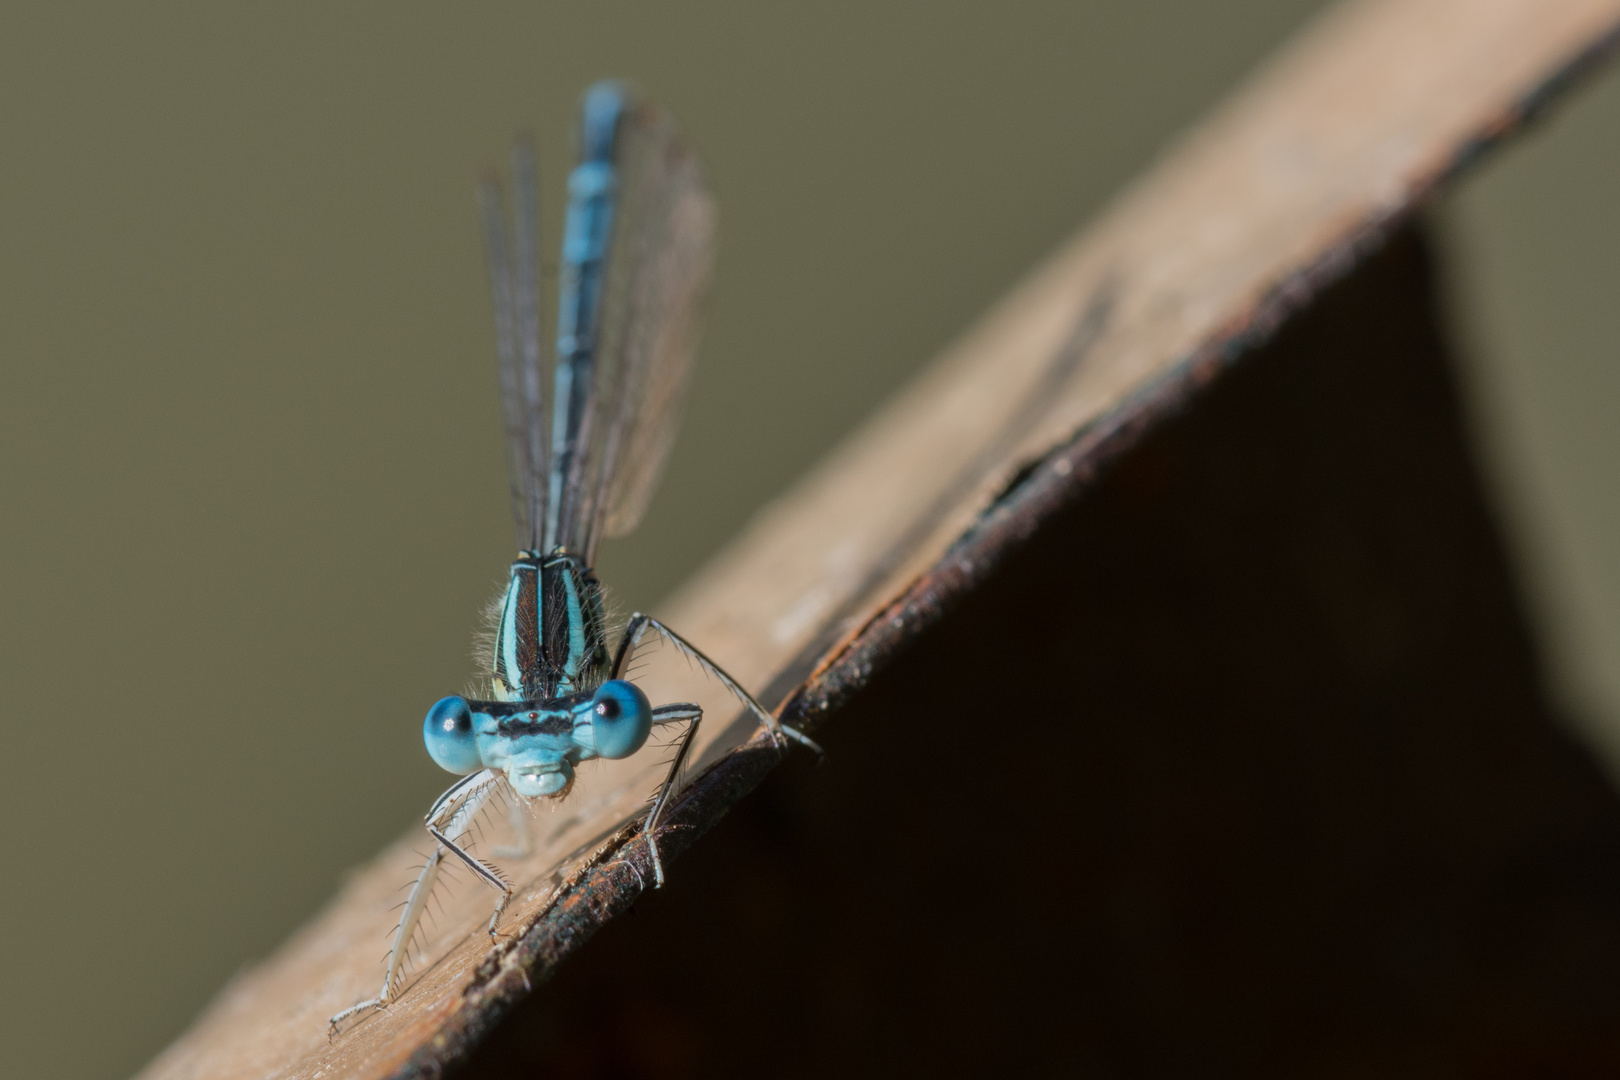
point(637, 246)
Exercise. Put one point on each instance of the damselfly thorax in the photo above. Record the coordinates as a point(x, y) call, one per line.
point(551, 638)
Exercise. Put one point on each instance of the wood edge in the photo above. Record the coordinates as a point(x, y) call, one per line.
point(1067, 470)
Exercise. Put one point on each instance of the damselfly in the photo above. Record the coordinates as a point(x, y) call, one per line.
point(636, 252)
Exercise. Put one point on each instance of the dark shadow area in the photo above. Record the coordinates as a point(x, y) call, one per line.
point(1242, 767)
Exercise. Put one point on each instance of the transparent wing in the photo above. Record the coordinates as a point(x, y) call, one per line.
point(514, 284)
point(654, 282)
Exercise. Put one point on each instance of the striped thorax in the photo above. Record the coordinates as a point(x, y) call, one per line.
point(552, 636)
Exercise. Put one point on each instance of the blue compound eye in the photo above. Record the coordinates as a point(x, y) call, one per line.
point(620, 719)
point(448, 732)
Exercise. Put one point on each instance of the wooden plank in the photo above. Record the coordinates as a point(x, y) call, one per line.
point(1255, 771)
point(1282, 190)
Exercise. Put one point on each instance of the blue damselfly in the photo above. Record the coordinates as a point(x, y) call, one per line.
point(583, 461)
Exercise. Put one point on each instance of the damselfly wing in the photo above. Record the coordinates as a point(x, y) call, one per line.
point(637, 251)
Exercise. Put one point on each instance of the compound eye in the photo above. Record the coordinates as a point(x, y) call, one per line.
point(448, 733)
point(620, 719)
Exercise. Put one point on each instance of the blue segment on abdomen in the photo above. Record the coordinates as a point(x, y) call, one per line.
point(587, 235)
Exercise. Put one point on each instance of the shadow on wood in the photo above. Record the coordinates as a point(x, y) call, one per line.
point(1242, 765)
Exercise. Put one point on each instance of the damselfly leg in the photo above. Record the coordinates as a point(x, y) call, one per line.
point(637, 628)
point(450, 817)
point(669, 714)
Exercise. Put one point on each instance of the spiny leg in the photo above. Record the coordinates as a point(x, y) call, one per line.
point(415, 904)
point(449, 818)
point(669, 714)
point(639, 624)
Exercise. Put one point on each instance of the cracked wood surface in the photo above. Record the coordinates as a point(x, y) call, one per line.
point(1283, 188)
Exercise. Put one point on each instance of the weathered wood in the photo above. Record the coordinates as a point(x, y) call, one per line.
point(1282, 191)
point(1254, 776)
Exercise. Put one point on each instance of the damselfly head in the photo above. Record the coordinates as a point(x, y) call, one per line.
point(538, 749)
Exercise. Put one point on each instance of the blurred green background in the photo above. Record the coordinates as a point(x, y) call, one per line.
point(252, 496)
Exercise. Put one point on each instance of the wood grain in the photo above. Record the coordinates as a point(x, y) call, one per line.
point(1281, 190)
